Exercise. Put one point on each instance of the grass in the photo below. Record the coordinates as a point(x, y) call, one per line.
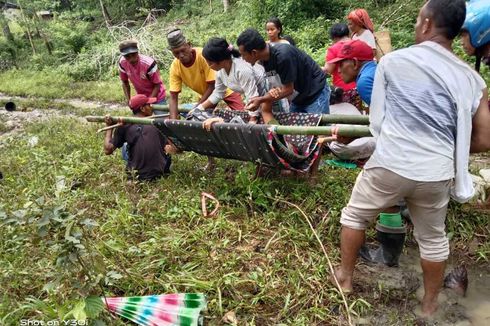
point(50, 84)
point(154, 234)
point(257, 257)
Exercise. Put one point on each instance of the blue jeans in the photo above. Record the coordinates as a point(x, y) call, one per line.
point(124, 152)
point(164, 101)
point(319, 106)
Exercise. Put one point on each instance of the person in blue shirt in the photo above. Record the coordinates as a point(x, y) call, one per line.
point(356, 63)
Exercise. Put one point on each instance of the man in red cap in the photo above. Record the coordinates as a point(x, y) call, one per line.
point(356, 63)
point(146, 158)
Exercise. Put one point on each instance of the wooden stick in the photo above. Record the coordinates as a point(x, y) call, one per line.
point(321, 140)
point(110, 127)
point(159, 116)
point(120, 123)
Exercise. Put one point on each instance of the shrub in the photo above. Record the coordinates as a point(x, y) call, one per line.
point(294, 14)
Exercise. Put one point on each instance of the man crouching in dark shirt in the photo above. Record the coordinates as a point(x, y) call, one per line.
point(144, 152)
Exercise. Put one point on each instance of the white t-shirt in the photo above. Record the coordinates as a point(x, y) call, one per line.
point(279, 42)
point(243, 79)
point(359, 148)
point(422, 102)
point(366, 36)
point(344, 108)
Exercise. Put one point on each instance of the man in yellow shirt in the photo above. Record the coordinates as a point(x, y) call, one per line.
point(191, 69)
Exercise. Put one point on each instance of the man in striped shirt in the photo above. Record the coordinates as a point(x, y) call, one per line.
point(142, 71)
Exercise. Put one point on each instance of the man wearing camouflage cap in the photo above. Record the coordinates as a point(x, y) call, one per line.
point(141, 70)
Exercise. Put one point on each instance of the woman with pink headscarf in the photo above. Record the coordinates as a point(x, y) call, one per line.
point(361, 27)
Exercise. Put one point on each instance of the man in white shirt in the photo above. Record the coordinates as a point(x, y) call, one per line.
point(427, 108)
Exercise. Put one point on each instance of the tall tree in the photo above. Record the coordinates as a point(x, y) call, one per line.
point(226, 4)
point(27, 23)
point(105, 13)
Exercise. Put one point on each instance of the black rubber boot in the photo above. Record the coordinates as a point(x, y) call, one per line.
point(391, 240)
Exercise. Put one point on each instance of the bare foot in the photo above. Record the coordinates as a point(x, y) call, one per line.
point(286, 173)
point(345, 281)
point(171, 149)
point(429, 307)
point(252, 120)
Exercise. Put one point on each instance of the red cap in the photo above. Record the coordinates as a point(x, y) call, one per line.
point(137, 101)
point(355, 49)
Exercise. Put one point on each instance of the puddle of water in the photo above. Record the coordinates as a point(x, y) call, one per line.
point(474, 309)
point(477, 300)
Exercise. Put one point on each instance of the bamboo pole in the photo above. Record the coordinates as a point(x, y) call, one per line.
point(128, 120)
point(326, 118)
point(346, 131)
point(119, 124)
point(345, 119)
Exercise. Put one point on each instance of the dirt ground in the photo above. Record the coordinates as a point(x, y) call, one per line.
point(395, 293)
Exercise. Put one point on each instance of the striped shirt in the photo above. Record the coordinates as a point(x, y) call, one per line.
point(419, 96)
point(144, 75)
point(243, 79)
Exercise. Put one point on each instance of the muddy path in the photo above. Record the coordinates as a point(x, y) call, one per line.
point(74, 102)
point(395, 293)
point(29, 110)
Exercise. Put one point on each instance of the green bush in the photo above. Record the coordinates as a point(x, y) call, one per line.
point(294, 14)
point(8, 54)
point(70, 37)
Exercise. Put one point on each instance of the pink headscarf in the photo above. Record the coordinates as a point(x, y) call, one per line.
point(361, 17)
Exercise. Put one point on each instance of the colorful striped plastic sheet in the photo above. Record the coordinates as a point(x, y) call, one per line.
point(181, 309)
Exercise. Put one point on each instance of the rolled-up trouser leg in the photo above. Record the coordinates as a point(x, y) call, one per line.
point(375, 189)
point(428, 208)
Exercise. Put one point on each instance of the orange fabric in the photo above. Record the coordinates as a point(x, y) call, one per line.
point(361, 17)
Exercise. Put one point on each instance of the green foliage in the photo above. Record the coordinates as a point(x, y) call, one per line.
point(70, 39)
point(8, 55)
point(294, 13)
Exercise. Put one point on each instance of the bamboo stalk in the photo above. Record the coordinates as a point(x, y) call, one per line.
point(345, 119)
point(155, 116)
point(326, 118)
point(346, 131)
point(165, 107)
point(130, 120)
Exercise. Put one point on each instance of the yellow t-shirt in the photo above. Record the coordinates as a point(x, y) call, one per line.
point(196, 77)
